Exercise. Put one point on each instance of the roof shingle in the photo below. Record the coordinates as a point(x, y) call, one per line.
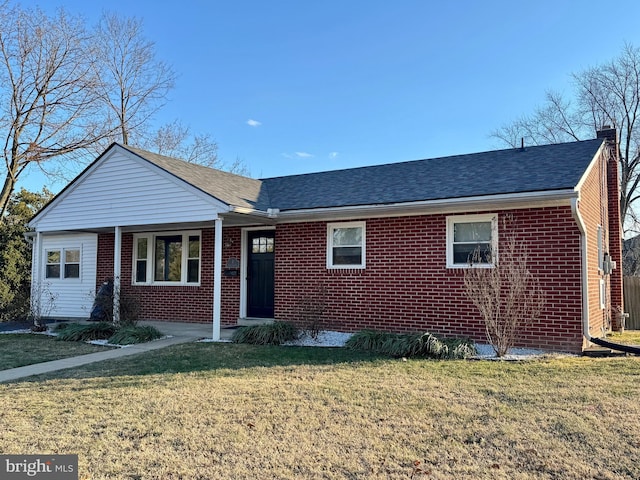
point(533, 169)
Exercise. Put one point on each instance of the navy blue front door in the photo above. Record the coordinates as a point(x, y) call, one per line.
point(260, 274)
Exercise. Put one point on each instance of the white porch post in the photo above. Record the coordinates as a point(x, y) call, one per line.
point(117, 267)
point(217, 278)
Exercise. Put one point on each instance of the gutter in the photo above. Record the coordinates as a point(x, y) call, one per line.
point(447, 205)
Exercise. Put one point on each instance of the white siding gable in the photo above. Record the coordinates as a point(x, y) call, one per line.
point(123, 189)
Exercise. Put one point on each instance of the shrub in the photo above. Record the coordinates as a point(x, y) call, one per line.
point(508, 295)
point(275, 333)
point(311, 310)
point(134, 334)
point(423, 345)
point(76, 332)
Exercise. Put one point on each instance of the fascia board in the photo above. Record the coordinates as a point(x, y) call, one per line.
point(444, 206)
point(593, 162)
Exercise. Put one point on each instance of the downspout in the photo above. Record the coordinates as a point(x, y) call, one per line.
point(585, 288)
point(583, 267)
point(217, 279)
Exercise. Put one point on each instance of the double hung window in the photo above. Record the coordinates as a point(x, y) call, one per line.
point(471, 240)
point(346, 245)
point(62, 263)
point(167, 258)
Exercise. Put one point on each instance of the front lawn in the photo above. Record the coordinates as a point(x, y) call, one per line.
point(207, 410)
point(18, 350)
point(629, 337)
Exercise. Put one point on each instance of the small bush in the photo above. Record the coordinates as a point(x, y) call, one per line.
point(275, 333)
point(134, 334)
point(423, 345)
point(76, 332)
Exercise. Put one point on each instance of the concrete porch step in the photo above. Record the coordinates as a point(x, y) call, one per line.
point(597, 351)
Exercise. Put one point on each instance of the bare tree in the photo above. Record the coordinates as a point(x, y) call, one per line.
point(134, 84)
point(175, 140)
point(607, 94)
point(47, 85)
point(508, 295)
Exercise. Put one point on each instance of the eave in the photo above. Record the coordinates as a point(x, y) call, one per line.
point(441, 206)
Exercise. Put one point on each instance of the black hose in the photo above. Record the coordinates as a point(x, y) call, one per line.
point(616, 346)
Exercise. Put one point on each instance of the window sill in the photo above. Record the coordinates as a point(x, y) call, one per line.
point(466, 265)
point(346, 267)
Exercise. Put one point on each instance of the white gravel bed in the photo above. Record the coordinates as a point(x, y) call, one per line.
point(324, 339)
point(486, 352)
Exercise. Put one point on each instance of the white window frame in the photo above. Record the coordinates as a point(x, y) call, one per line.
point(62, 251)
point(63, 272)
point(151, 242)
point(46, 263)
point(333, 226)
point(477, 218)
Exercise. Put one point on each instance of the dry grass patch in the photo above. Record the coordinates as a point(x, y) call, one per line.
point(238, 411)
point(18, 350)
point(628, 337)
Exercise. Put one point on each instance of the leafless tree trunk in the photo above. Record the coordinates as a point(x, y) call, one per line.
point(508, 295)
point(608, 94)
point(134, 84)
point(47, 85)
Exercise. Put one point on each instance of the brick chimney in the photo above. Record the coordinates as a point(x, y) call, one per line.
point(615, 222)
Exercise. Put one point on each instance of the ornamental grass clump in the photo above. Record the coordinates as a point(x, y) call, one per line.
point(134, 334)
point(275, 333)
point(126, 335)
point(420, 345)
point(76, 332)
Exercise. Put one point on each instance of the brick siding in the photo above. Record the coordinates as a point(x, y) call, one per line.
point(406, 285)
point(177, 303)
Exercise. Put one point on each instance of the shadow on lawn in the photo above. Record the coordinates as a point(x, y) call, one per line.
point(207, 357)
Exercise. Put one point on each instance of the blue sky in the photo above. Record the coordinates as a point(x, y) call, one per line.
point(294, 87)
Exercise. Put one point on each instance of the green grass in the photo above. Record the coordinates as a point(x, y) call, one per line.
point(83, 332)
point(410, 345)
point(131, 334)
point(122, 335)
point(18, 350)
point(275, 333)
point(207, 410)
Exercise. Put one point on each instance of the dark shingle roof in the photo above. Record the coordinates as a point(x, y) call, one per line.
point(229, 188)
point(534, 169)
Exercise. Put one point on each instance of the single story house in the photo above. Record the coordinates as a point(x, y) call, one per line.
point(381, 247)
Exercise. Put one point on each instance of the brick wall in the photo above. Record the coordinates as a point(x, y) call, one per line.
point(177, 303)
point(407, 287)
point(593, 208)
point(609, 179)
point(615, 234)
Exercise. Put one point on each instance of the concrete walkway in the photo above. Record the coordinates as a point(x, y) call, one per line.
point(178, 333)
